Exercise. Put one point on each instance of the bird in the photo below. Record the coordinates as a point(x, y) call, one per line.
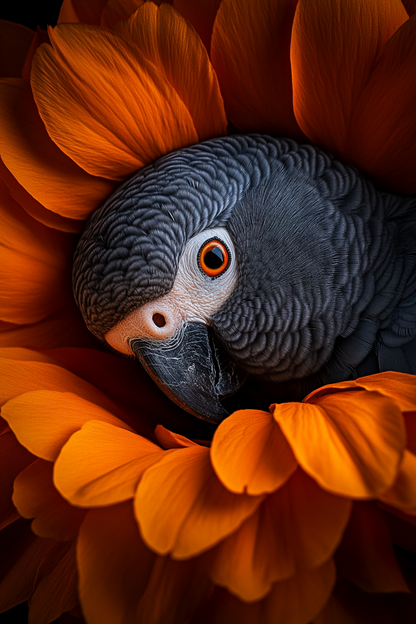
point(251, 257)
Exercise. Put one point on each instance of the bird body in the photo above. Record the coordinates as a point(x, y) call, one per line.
point(317, 282)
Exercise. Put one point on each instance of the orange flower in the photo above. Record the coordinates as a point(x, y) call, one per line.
point(259, 513)
point(286, 516)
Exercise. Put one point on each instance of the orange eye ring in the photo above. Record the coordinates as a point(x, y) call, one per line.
point(213, 257)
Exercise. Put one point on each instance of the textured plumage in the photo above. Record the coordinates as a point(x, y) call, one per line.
point(325, 283)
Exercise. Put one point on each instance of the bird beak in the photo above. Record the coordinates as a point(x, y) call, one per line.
point(192, 369)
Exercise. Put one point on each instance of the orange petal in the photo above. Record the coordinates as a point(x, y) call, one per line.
point(168, 439)
point(114, 565)
point(22, 554)
point(33, 264)
point(23, 370)
point(117, 10)
point(174, 591)
point(40, 167)
point(182, 508)
point(351, 443)
point(102, 464)
point(81, 11)
point(168, 41)
point(366, 556)
point(334, 47)
point(44, 420)
point(299, 526)
point(250, 53)
point(36, 497)
point(15, 41)
point(56, 584)
point(34, 208)
point(201, 15)
point(108, 130)
point(13, 459)
point(382, 141)
point(57, 330)
point(250, 454)
point(403, 492)
point(294, 601)
point(40, 36)
point(399, 386)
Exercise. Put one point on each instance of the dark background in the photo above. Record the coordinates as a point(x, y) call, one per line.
point(31, 13)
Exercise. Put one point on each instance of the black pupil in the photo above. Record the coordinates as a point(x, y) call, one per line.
point(214, 258)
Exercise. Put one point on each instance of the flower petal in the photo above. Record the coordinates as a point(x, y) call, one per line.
point(250, 454)
point(36, 497)
point(174, 591)
point(182, 508)
point(294, 601)
point(299, 526)
point(334, 47)
point(107, 130)
point(398, 386)
point(33, 261)
point(403, 492)
point(383, 129)
point(34, 208)
point(201, 15)
point(56, 584)
point(13, 459)
point(21, 553)
point(38, 164)
point(250, 53)
point(81, 11)
point(366, 556)
point(117, 10)
point(169, 42)
point(102, 464)
point(15, 41)
point(44, 420)
point(351, 443)
point(114, 564)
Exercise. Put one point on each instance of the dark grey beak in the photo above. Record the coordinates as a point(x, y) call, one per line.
point(192, 369)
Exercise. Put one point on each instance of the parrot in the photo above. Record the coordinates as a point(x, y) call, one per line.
point(251, 257)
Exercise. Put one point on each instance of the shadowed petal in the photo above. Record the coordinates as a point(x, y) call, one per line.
point(250, 53)
point(15, 41)
point(36, 497)
point(335, 44)
point(182, 508)
point(403, 492)
point(167, 40)
point(201, 15)
point(116, 10)
point(382, 142)
point(114, 565)
point(293, 601)
point(107, 130)
point(250, 454)
point(44, 420)
point(37, 163)
point(299, 526)
point(366, 556)
point(13, 459)
point(81, 11)
point(102, 464)
point(351, 443)
point(56, 584)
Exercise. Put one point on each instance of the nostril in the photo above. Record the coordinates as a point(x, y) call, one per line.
point(159, 319)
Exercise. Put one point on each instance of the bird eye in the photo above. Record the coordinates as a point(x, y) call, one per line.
point(213, 257)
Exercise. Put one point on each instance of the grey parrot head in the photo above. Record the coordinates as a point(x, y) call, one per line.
point(243, 255)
